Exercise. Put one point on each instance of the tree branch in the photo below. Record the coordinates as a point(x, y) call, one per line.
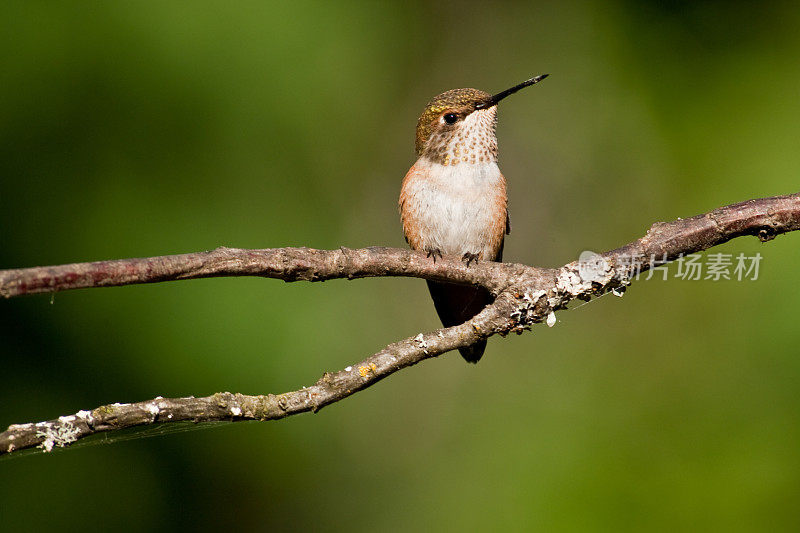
point(524, 296)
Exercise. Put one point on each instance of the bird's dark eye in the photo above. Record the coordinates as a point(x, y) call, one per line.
point(451, 118)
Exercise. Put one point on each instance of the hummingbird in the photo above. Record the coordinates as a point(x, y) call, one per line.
point(453, 199)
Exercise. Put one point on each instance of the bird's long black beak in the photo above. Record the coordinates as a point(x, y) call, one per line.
point(508, 92)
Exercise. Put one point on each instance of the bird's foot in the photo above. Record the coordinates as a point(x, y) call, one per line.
point(433, 252)
point(470, 258)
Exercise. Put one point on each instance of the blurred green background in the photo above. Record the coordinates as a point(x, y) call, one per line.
point(148, 128)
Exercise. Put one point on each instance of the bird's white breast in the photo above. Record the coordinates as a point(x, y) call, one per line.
point(457, 209)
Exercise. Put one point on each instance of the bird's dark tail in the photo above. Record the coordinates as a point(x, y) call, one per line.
point(456, 304)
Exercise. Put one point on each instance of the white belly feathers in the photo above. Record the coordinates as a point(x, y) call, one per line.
point(458, 209)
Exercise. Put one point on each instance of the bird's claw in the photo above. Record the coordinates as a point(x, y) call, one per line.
point(434, 252)
point(470, 258)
